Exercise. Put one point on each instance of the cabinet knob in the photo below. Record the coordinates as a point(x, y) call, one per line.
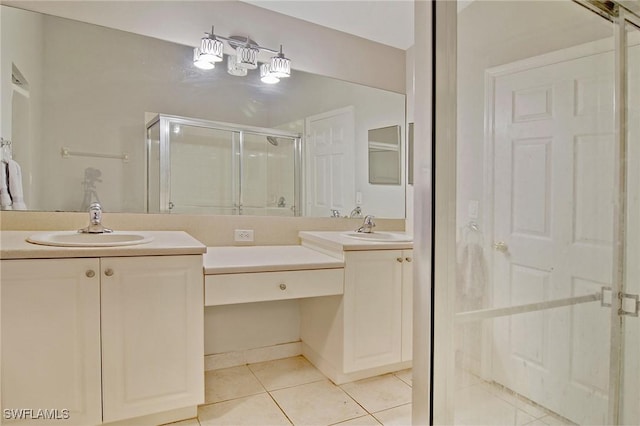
point(90, 273)
point(408, 259)
point(283, 286)
point(399, 259)
point(108, 272)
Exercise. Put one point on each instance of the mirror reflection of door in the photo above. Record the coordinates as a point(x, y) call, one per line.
point(384, 156)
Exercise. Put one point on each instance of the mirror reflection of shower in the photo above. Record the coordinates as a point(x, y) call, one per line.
point(222, 168)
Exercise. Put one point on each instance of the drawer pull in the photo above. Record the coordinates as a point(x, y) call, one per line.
point(108, 272)
point(283, 286)
point(399, 259)
point(408, 259)
point(90, 273)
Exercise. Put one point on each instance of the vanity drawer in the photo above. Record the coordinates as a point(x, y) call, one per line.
point(224, 289)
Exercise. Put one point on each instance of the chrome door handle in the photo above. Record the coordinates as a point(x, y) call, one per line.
point(501, 246)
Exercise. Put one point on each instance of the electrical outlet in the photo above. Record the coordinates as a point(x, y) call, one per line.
point(243, 235)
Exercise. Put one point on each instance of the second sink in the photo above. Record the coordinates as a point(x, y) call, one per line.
point(379, 236)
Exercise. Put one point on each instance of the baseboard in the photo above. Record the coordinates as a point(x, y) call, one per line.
point(251, 356)
point(159, 418)
point(339, 378)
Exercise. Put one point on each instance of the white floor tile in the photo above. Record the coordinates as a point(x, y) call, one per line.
point(360, 421)
point(397, 416)
point(318, 403)
point(257, 410)
point(230, 383)
point(188, 422)
point(477, 406)
point(379, 393)
point(515, 400)
point(465, 379)
point(555, 421)
point(405, 375)
point(286, 372)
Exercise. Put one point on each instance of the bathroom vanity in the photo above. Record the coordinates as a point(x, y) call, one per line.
point(368, 330)
point(103, 334)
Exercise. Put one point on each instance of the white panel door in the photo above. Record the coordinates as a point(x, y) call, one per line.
point(152, 335)
point(51, 340)
point(330, 175)
point(553, 209)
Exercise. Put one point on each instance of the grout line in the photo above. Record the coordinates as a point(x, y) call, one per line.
point(281, 409)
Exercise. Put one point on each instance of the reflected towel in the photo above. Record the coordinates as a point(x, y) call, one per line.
point(472, 273)
point(15, 185)
point(5, 198)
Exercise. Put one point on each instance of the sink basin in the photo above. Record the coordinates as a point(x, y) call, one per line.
point(76, 239)
point(379, 236)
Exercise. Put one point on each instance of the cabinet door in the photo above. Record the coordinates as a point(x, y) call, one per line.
point(152, 335)
point(51, 340)
point(407, 305)
point(372, 309)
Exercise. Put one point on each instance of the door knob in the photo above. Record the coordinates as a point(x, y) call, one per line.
point(501, 246)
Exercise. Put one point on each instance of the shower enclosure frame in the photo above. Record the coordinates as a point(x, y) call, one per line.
point(165, 120)
point(440, 185)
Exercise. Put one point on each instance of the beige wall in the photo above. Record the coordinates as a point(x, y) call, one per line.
point(311, 47)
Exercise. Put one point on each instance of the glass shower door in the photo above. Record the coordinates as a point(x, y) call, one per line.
point(544, 223)
point(203, 169)
point(629, 326)
point(268, 175)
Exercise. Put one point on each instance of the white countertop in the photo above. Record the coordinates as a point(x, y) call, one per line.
point(13, 245)
point(233, 260)
point(338, 242)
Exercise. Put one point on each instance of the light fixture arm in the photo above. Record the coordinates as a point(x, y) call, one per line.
point(234, 42)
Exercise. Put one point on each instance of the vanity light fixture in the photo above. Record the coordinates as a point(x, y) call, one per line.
point(245, 58)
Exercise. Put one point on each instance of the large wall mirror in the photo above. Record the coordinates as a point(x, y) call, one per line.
point(77, 98)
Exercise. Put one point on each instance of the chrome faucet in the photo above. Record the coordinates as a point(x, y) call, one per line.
point(335, 213)
point(367, 225)
point(95, 221)
point(356, 213)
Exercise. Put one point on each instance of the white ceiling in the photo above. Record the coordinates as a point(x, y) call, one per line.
point(388, 22)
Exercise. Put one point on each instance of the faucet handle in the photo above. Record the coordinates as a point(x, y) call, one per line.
point(335, 213)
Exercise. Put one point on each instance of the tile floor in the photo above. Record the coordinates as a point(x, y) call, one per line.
point(292, 391)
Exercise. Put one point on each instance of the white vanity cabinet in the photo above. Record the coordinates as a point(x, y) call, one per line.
point(108, 339)
point(377, 308)
point(368, 331)
point(51, 338)
point(152, 335)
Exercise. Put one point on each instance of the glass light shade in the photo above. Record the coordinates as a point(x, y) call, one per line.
point(280, 66)
point(211, 49)
point(247, 57)
point(199, 62)
point(233, 68)
point(266, 76)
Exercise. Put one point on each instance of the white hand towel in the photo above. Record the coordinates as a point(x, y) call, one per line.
point(5, 198)
point(15, 186)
